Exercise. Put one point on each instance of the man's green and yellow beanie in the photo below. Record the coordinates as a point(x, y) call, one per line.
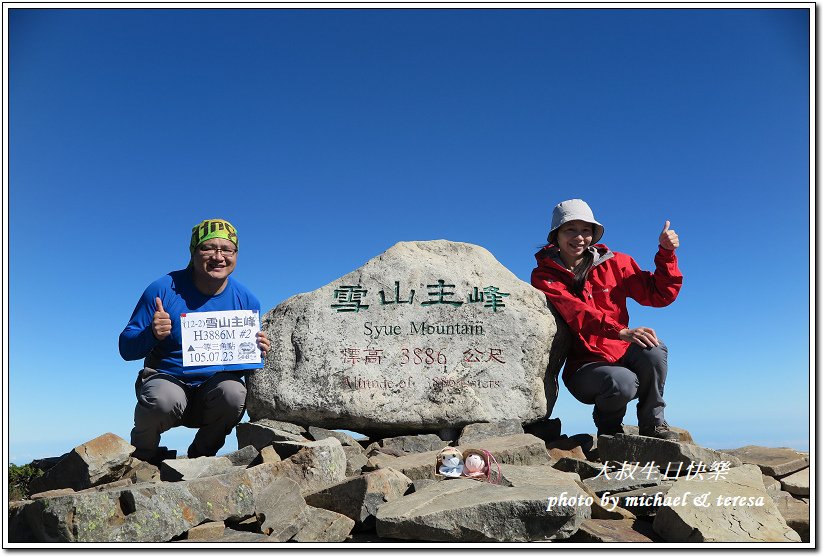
point(212, 228)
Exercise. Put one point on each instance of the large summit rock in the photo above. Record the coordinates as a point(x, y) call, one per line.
point(427, 335)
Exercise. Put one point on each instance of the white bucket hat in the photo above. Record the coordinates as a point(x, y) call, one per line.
point(574, 209)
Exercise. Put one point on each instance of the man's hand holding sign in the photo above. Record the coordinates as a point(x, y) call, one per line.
point(262, 343)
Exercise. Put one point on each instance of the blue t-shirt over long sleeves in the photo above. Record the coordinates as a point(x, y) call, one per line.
point(179, 295)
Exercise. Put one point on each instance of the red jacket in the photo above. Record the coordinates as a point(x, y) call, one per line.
point(597, 316)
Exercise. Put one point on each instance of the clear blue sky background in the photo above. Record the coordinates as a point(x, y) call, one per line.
point(326, 136)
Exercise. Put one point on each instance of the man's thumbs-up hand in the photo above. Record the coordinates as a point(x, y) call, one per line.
point(161, 322)
point(668, 238)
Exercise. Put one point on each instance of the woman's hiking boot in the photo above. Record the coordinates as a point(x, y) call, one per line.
point(659, 431)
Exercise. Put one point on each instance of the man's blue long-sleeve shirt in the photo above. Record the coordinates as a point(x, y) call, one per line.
point(178, 294)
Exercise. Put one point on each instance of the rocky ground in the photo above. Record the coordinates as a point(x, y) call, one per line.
point(293, 484)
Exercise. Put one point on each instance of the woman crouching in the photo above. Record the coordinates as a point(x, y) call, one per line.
point(609, 363)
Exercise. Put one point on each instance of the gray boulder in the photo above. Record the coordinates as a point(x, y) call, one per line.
point(378, 460)
point(315, 466)
point(54, 493)
point(521, 449)
point(355, 460)
point(102, 460)
point(261, 433)
point(797, 483)
point(139, 471)
point(279, 507)
point(269, 455)
point(324, 526)
point(770, 483)
point(318, 433)
point(671, 457)
point(181, 469)
point(584, 468)
point(427, 335)
point(472, 511)
point(413, 443)
point(772, 461)
point(418, 485)
point(244, 456)
point(797, 515)
point(208, 531)
point(734, 509)
point(476, 433)
point(360, 497)
point(543, 475)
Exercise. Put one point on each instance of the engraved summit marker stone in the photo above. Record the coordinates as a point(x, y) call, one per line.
point(427, 335)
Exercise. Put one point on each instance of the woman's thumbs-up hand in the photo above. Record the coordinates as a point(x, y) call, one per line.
point(668, 238)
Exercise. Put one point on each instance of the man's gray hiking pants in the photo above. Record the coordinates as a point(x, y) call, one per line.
point(163, 402)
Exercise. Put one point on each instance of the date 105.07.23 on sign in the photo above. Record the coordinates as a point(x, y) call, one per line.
point(246, 352)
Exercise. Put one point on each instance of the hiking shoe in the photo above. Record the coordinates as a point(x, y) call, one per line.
point(154, 457)
point(660, 431)
point(611, 430)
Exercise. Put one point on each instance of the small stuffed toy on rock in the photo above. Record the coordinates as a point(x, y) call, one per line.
point(451, 463)
point(475, 465)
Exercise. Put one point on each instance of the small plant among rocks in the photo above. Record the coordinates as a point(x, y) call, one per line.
point(19, 478)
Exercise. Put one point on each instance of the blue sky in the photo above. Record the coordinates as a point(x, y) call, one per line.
point(326, 136)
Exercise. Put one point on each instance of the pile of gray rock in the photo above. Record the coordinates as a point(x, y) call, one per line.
point(290, 483)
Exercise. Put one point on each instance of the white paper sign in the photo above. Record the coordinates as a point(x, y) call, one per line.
point(212, 338)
